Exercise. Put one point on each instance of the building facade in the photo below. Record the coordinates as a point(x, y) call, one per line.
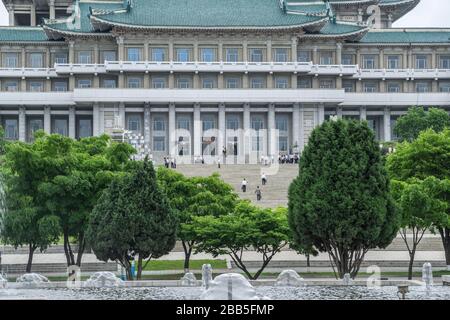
point(204, 78)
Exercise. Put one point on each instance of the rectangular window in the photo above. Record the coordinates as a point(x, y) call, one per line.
point(134, 83)
point(304, 56)
point(256, 55)
point(159, 124)
point(60, 86)
point(393, 87)
point(232, 123)
point(444, 62)
point(159, 144)
point(11, 129)
point(11, 60)
point(444, 87)
point(33, 126)
point(304, 83)
point(422, 87)
point(232, 54)
point(232, 83)
point(109, 56)
point(61, 58)
point(283, 144)
point(281, 124)
point(281, 55)
point(60, 126)
point(208, 123)
point(158, 54)
point(134, 123)
point(184, 123)
point(421, 62)
point(11, 86)
point(36, 60)
point(84, 128)
point(183, 83)
point(257, 83)
point(326, 58)
point(183, 54)
point(84, 57)
point(347, 59)
point(369, 61)
point(349, 86)
point(84, 83)
point(281, 82)
point(158, 83)
point(208, 83)
point(393, 62)
point(326, 84)
point(134, 54)
point(370, 87)
point(109, 83)
point(36, 86)
point(207, 54)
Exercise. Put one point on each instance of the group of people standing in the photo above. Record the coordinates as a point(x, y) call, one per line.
point(170, 163)
point(288, 158)
point(258, 191)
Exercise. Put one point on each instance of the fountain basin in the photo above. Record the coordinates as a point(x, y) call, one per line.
point(446, 280)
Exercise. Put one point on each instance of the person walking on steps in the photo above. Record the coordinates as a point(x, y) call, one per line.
point(244, 185)
point(258, 193)
point(263, 179)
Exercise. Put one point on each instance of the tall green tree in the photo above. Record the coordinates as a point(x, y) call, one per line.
point(2, 142)
point(409, 126)
point(421, 208)
point(340, 203)
point(265, 231)
point(427, 156)
point(133, 217)
point(194, 197)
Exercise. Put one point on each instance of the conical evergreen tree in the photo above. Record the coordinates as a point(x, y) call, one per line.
point(340, 202)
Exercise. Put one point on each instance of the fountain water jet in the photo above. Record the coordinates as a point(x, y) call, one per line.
point(206, 275)
point(3, 282)
point(32, 279)
point(427, 275)
point(347, 280)
point(189, 280)
point(103, 280)
point(230, 286)
point(290, 278)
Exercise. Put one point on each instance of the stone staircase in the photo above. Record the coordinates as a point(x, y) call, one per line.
point(274, 193)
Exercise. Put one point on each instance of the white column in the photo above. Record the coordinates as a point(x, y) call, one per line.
point(47, 120)
point(122, 121)
point(247, 134)
point(197, 131)
point(12, 18)
point(22, 125)
point(296, 124)
point(172, 130)
point(302, 129)
point(339, 112)
point(72, 125)
point(96, 119)
point(363, 113)
point(33, 14)
point(320, 114)
point(222, 130)
point(147, 124)
point(271, 131)
point(51, 5)
point(387, 124)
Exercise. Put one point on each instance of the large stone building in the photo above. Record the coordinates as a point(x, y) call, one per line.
point(191, 78)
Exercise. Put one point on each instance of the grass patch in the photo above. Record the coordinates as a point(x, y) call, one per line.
point(160, 265)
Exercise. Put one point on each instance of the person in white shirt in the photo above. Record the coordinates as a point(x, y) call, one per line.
point(244, 185)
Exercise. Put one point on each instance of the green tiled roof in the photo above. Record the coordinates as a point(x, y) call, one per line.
point(22, 34)
point(80, 21)
point(407, 36)
point(208, 14)
point(340, 28)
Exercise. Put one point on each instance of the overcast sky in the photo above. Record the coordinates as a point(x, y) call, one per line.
point(429, 13)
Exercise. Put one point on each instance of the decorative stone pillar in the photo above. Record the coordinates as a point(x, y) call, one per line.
point(172, 130)
point(197, 140)
point(51, 12)
point(33, 14)
point(11, 14)
point(71, 51)
point(338, 53)
point(296, 124)
point(294, 46)
point(381, 59)
point(72, 123)
point(387, 124)
point(147, 124)
point(22, 124)
point(363, 113)
point(121, 123)
point(271, 131)
point(47, 120)
point(320, 114)
point(269, 57)
point(221, 141)
point(247, 134)
point(96, 119)
point(315, 55)
point(121, 48)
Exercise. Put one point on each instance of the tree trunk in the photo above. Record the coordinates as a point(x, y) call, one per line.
point(139, 270)
point(410, 266)
point(32, 248)
point(445, 236)
point(81, 247)
point(187, 247)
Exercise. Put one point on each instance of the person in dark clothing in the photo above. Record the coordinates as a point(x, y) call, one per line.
point(258, 193)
